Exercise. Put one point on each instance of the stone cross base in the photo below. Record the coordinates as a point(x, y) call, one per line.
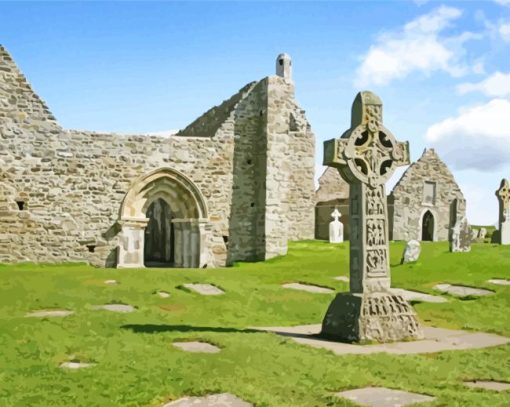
point(379, 316)
point(504, 230)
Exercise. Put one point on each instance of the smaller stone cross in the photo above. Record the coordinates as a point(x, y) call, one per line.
point(336, 214)
point(503, 194)
point(336, 228)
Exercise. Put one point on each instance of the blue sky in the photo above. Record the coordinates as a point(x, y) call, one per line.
point(442, 69)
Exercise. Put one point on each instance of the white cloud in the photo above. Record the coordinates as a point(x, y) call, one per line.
point(478, 138)
point(503, 2)
point(418, 46)
point(504, 31)
point(496, 85)
point(481, 203)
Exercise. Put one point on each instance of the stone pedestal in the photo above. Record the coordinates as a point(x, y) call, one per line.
point(379, 316)
point(504, 230)
point(131, 247)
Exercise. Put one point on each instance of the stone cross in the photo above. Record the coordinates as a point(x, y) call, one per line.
point(336, 214)
point(366, 156)
point(503, 194)
point(336, 228)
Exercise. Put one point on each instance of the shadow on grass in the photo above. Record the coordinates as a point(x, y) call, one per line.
point(155, 329)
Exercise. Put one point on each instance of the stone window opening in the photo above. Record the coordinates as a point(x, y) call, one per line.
point(429, 193)
point(281, 61)
point(91, 248)
point(21, 205)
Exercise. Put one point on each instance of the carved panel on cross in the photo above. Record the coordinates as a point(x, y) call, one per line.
point(375, 201)
point(376, 235)
point(376, 261)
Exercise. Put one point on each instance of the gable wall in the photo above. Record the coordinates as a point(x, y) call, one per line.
point(407, 198)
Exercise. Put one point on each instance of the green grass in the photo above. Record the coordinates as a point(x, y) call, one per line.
point(137, 365)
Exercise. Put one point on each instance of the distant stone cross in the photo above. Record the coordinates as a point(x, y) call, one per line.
point(366, 156)
point(503, 194)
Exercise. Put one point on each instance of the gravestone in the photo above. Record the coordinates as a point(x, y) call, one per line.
point(474, 234)
point(411, 252)
point(482, 233)
point(461, 236)
point(503, 194)
point(336, 228)
point(366, 156)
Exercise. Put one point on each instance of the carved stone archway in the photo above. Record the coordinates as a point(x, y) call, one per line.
point(189, 219)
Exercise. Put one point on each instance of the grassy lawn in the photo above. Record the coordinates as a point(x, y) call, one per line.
point(138, 366)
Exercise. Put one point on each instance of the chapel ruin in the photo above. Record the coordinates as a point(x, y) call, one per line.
point(226, 188)
point(424, 205)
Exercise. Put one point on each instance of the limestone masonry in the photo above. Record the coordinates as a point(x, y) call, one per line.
point(424, 204)
point(424, 201)
point(236, 184)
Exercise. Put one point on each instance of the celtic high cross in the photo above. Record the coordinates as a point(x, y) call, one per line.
point(503, 194)
point(366, 156)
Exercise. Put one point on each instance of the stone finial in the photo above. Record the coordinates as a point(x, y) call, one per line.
point(284, 66)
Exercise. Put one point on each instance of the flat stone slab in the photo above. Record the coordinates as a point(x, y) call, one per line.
point(417, 296)
point(50, 313)
point(163, 294)
point(436, 340)
point(499, 281)
point(342, 278)
point(461, 290)
point(213, 400)
point(115, 307)
point(197, 347)
point(111, 282)
point(204, 289)
point(383, 397)
point(309, 288)
point(488, 385)
point(76, 365)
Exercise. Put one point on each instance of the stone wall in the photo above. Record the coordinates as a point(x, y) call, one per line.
point(61, 191)
point(333, 192)
point(409, 202)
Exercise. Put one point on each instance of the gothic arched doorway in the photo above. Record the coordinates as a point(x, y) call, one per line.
point(427, 227)
point(159, 239)
point(163, 219)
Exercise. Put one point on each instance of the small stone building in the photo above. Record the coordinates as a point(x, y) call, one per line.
point(236, 184)
point(425, 201)
point(423, 205)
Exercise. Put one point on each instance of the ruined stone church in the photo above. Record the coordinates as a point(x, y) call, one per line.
point(422, 205)
point(236, 184)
